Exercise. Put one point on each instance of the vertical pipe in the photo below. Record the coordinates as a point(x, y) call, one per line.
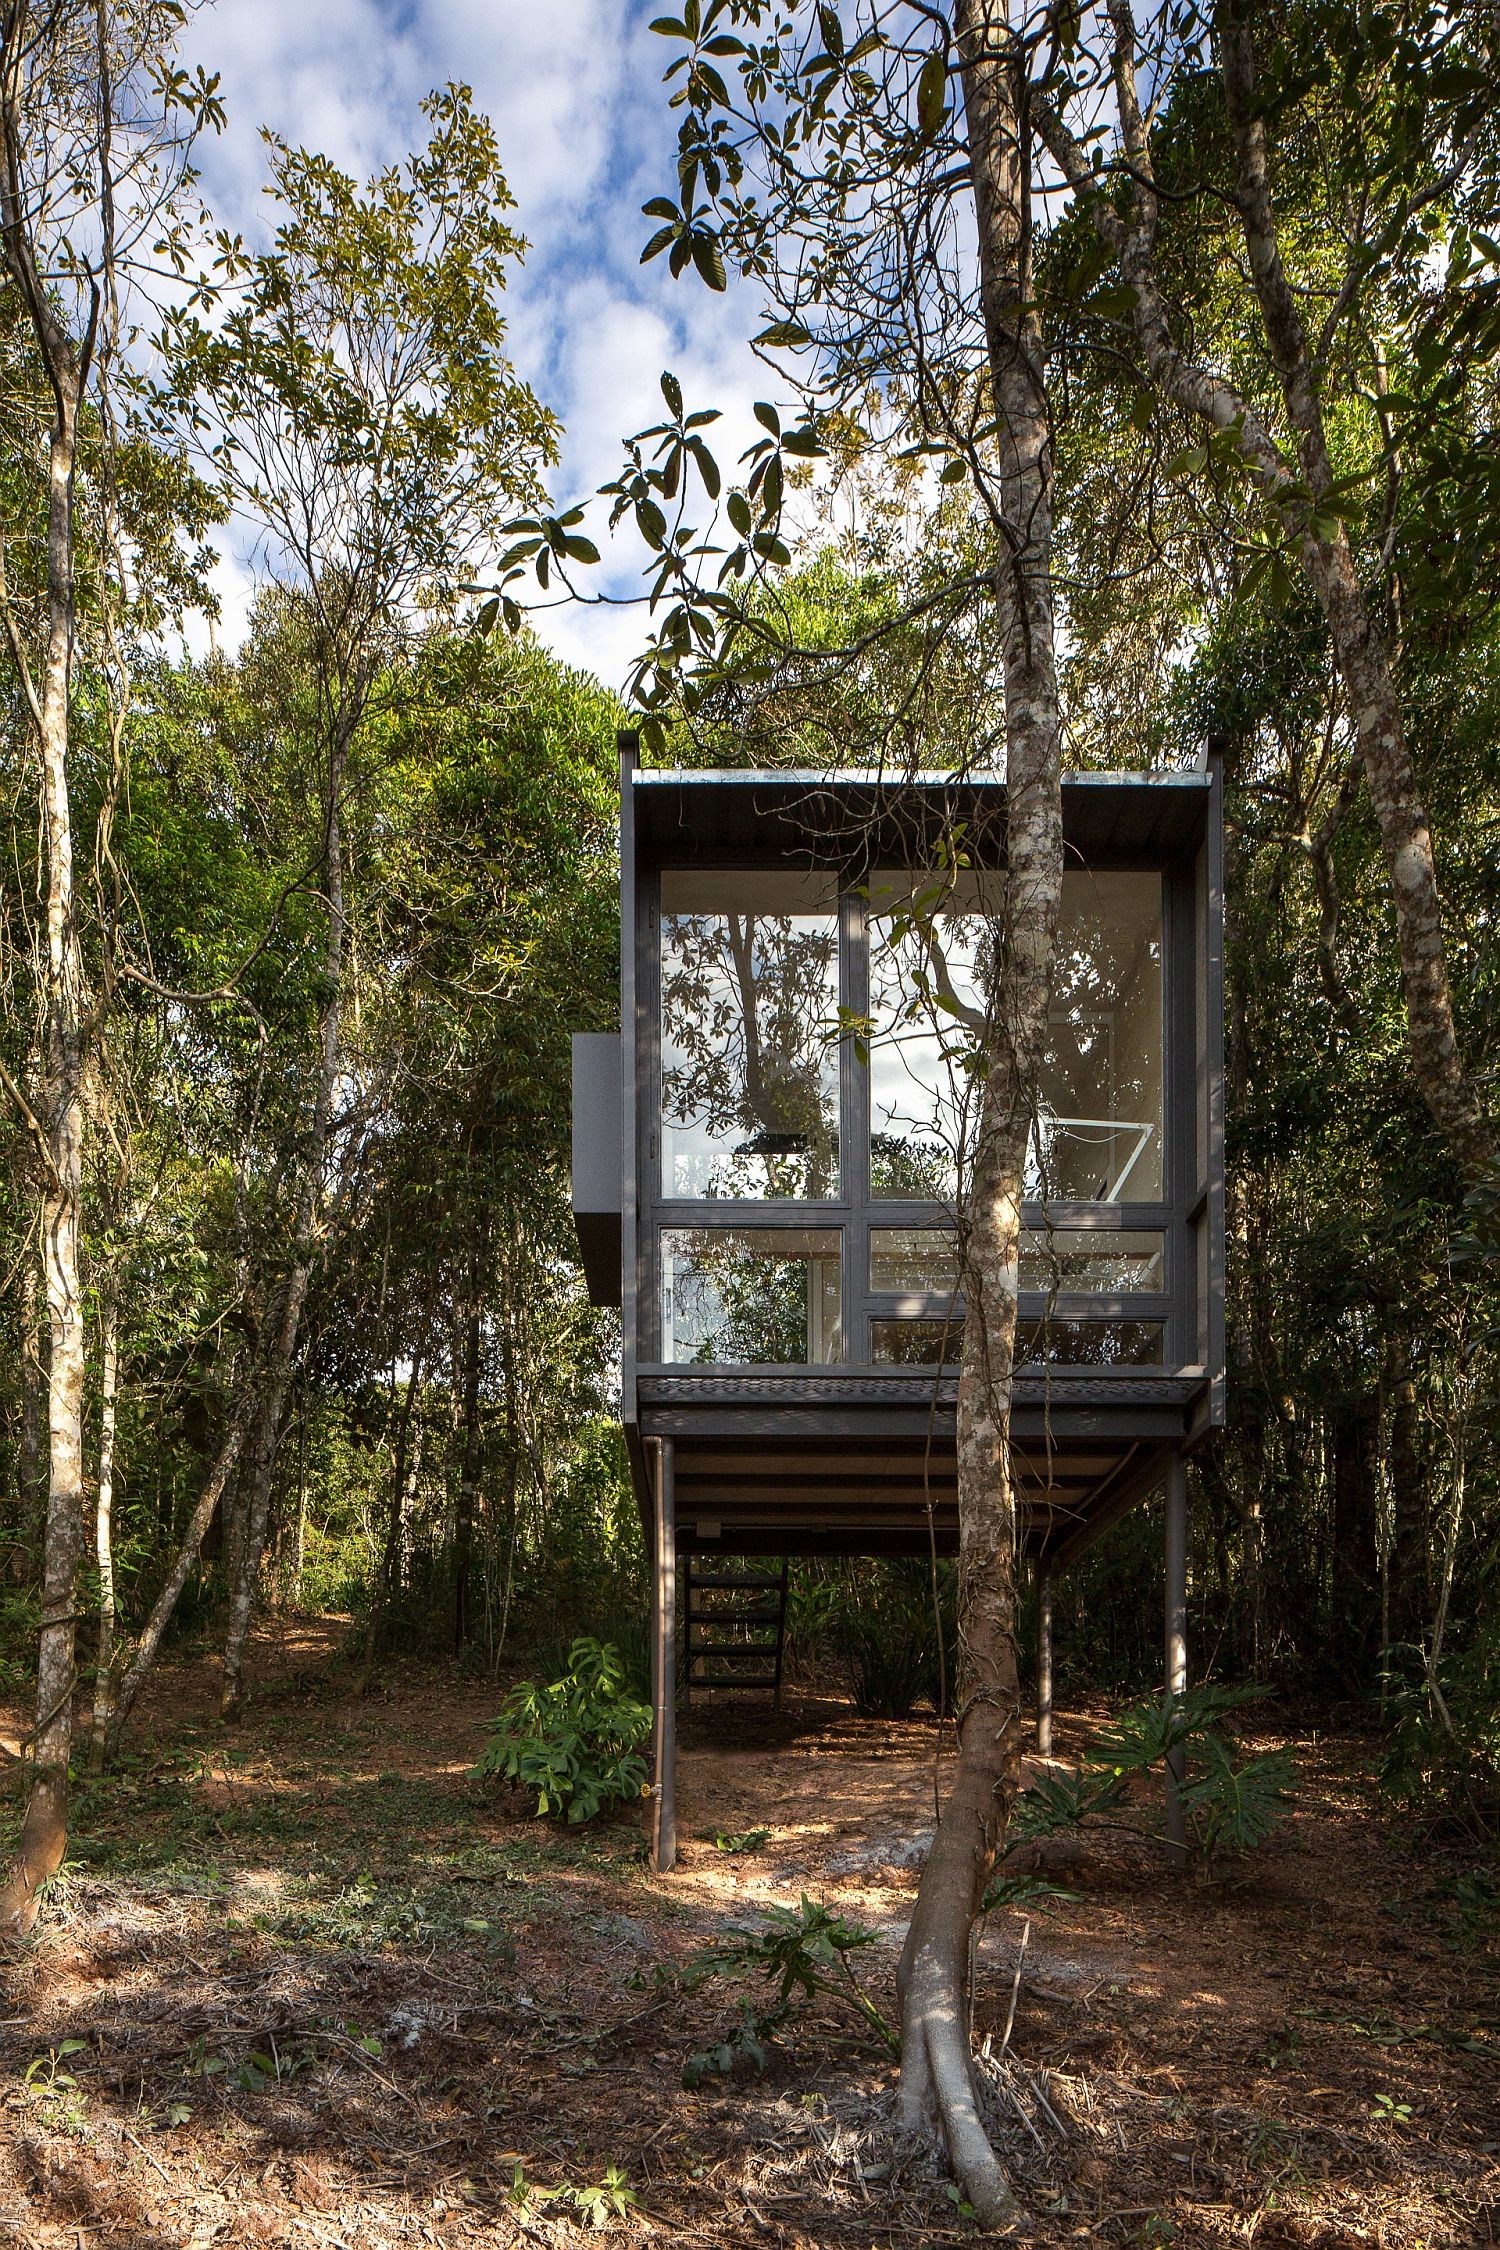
point(1176, 1637)
point(1044, 1659)
point(664, 1665)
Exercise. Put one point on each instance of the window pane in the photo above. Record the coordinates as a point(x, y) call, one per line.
point(1100, 1092)
point(1057, 1343)
point(1108, 1262)
point(923, 1258)
point(1099, 1129)
point(742, 1296)
point(913, 1258)
point(929, 951)
point(749, 1014)
point(916, 1343)
point(1091, 1343)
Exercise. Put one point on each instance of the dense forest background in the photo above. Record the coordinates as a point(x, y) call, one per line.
point(428, 1447)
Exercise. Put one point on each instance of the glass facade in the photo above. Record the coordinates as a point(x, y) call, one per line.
point(751, 1296)
point(1098, 1134)
point(749, 1036)
point(758, 1091)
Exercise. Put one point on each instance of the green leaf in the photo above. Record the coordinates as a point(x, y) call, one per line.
point(671, 391)
point(1117, 302)
point(709, 260)
point(932, 96)
point(785, 335)
point(708, 467)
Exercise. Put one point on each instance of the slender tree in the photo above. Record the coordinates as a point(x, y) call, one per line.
point(840, 165)
point(94, 122)
point(1427, 145)
point(359, 403)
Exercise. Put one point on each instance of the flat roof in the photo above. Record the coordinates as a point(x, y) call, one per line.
point(1154, 814)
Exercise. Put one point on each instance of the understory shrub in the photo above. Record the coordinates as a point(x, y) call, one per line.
point(1231, 1800)
point(795, 1955)
point(1442, 1762)
point(876, 1620)
point(577, 1742)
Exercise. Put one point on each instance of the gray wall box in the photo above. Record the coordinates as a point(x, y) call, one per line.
point(597, 1098)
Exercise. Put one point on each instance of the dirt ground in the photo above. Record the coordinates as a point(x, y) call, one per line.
point(310, 1984)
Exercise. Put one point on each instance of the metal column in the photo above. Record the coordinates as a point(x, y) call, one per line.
point(1176, 1637)
point(664, 1666)
point(1044, 1660)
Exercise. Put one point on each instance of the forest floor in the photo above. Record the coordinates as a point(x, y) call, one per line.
point(309, 1984)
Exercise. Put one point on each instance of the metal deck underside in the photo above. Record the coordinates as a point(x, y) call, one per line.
point(860, 1462)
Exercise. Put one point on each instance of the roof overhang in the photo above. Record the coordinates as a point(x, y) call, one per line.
point(682, 815)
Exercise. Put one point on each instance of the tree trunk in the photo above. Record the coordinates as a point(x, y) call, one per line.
point(1411, 1558)
point(44, 1824)
point(257, 1501)
point(468, 1481)
point(1327, 561)
point(282, 1346)
point(231, 1445)
point(383, 1594)
point(104, 1533)
point(1364, 659)
point(32, 1464)
point(937, 2079)
point(1355, 1561)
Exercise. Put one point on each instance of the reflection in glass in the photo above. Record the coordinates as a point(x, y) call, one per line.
point(1108, 1262)
point(1058, 1343)
point(923, 1259)
point(916, 1343)
point(930, 940)
point(913, 1258)
point(749, 1004)
point(750, 1296)
point(1099, 1125)
point(1099, 1098)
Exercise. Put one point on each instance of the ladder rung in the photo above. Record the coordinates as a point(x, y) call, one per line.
point(739, 1578)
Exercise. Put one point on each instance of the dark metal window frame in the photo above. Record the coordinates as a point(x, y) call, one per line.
point(854, 1212)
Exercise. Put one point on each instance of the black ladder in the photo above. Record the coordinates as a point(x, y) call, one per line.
point(736, 1624)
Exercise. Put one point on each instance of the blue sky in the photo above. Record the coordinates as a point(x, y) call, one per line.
point(574, 90)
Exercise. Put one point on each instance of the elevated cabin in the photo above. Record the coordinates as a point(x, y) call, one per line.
point(769, 1157)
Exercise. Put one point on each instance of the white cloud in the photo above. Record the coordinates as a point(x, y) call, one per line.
point(586, 134)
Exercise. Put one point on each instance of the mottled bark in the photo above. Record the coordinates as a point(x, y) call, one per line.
point(1284, 481)
point(61, 1110)
point(104, 1502)
point(936, 2062)
point(32, 1462)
